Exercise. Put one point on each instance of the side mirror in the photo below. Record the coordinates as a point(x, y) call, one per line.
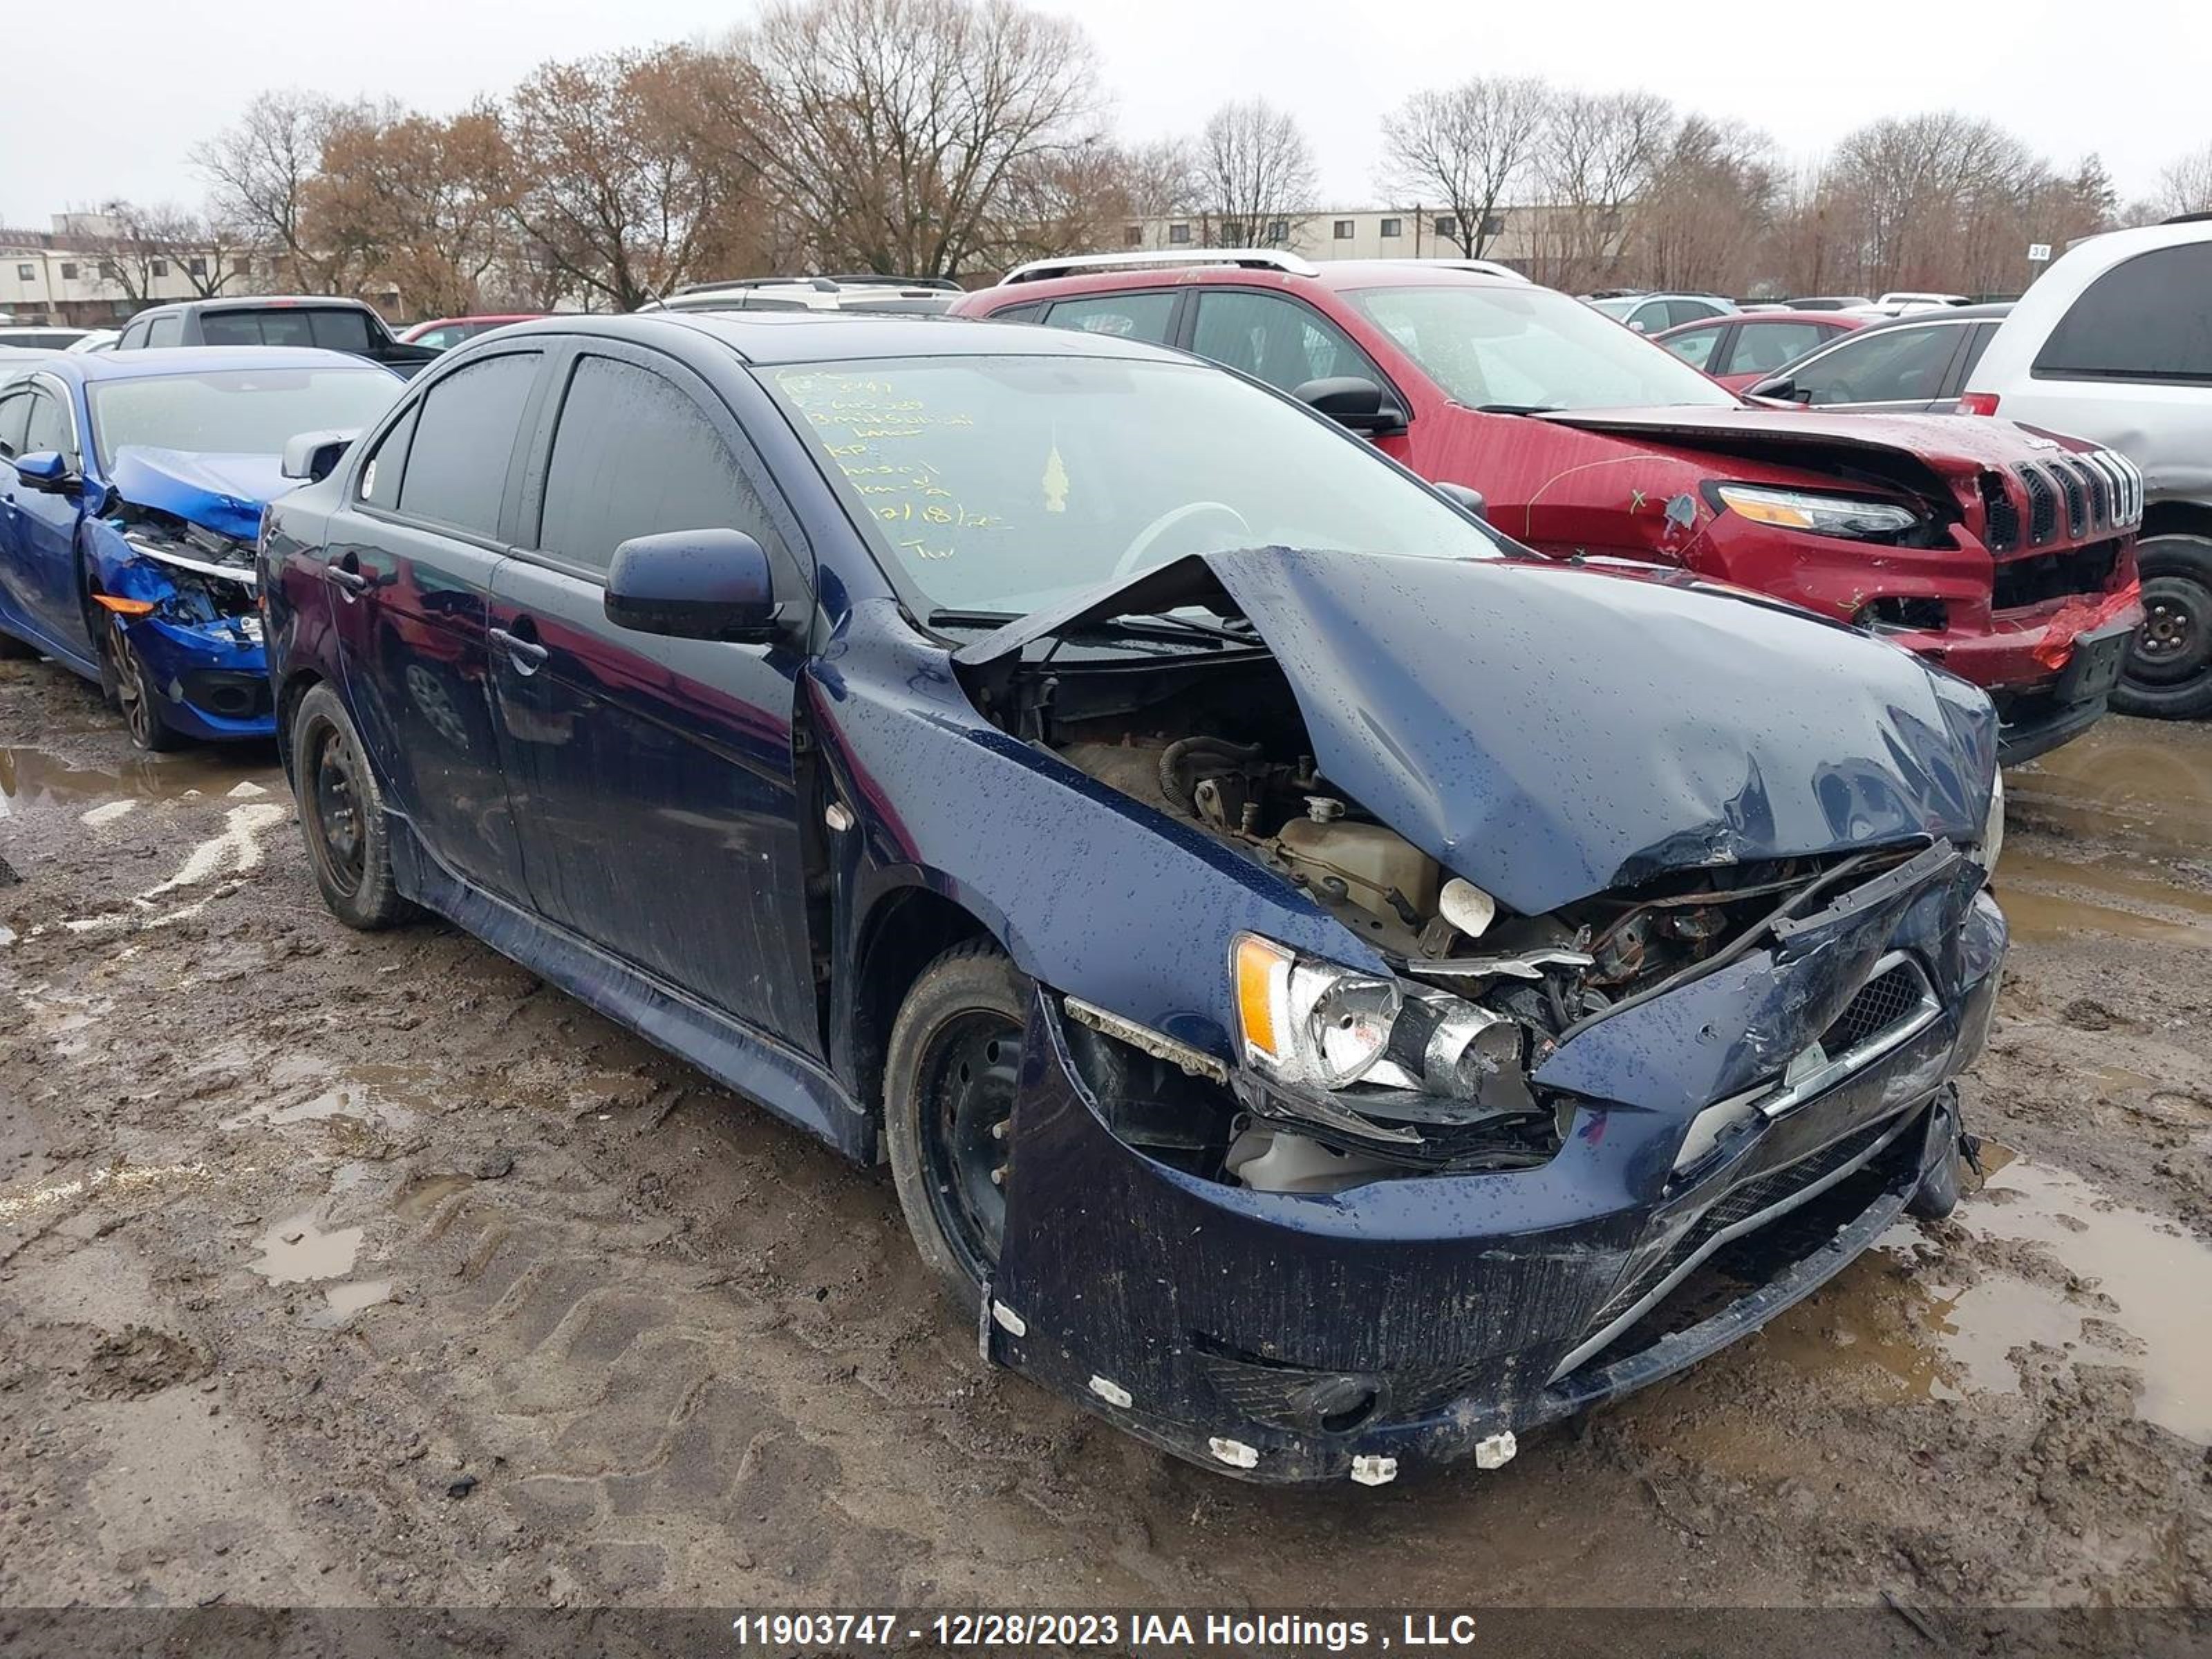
point(1637, 326)
point(43, 470)
point(1782, 388)
point(314, 456)
point(1353, 402)
point(1470, 500)
point(694, 585)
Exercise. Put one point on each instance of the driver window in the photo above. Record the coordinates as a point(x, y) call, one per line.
point(1906, 365)
point(49, 429)
point(1275, 340)
point(14, 420)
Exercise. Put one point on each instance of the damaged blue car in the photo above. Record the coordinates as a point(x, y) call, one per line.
point(1334, 991)
point(131, 496)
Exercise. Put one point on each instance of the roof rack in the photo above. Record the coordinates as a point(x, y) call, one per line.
point(1259, 259)
point(820, 284)
point(878, 279)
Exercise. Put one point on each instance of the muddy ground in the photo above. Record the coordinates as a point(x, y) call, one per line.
point(338, 1270)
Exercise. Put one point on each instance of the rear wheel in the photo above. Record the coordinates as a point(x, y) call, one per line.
point(342, 815)
point(123, 671)
point(2169, 668)
point(949, 1084)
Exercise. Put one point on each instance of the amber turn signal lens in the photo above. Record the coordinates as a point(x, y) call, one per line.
point(125, 607)
point(1263, 979)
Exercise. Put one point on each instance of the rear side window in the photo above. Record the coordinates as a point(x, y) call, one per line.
point(633, 456)
point(2150, 319)
point(165, 331)
point(1276, 340)
point(1125, 316)
point(464, 431)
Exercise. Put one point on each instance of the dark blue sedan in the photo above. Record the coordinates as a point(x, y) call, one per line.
point(131, 495)
point(1334, 990)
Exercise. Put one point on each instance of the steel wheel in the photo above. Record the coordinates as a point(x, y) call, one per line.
point(969, 1076)
point(2172, 643)
point(332, 800)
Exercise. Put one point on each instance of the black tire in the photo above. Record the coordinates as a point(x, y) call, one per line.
point(342, 815)
point(948, 1092)
point(123, 677)
point(2168, 674)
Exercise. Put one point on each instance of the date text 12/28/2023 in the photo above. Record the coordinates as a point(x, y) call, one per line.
point(1166, 1633)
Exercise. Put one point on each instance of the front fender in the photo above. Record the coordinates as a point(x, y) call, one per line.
point(1089, 890)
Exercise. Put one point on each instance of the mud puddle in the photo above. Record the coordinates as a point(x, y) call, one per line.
point(2052, 1264)
point(298, 1249)
point(35, 777)
point(303, 1089)
point(2147, 783)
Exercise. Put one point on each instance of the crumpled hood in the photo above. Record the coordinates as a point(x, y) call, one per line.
point(1551, 730)
point(222, 493)
point(1941, 443)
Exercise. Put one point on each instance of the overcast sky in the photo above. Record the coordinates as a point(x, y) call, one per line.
point(117, 114)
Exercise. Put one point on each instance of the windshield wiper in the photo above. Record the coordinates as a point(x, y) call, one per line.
point(1230, 631)
point(1152, 624)
point(1519, 409)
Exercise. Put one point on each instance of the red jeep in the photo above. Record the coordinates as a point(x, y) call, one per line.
point(2003, 553)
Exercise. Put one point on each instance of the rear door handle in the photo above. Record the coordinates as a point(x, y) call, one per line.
point(527, 655)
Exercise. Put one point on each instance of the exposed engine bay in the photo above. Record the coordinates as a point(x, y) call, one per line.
point(1430, 1072)
point(212, 575)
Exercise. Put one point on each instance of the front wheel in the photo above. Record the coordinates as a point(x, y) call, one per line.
point(342, 815)
point(123, 674)
point(949, 1084)
point(2169, 668)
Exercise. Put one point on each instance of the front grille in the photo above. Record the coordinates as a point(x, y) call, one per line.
point(1881, 1003)
point(2100, 493)
point(2038, 578)
point(2042, 506)
point(2077, 499)
point(2000, 518)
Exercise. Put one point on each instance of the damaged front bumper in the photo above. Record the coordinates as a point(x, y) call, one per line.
point(1295, 1337)
point(199, 645)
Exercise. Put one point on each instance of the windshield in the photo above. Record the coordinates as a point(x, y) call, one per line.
point(1528, 348)
point(245, 411)
point(1001, 485)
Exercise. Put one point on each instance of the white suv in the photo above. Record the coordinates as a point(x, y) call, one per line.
point(2115, 344)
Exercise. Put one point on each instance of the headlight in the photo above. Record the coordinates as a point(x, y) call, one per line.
point(1317, 1024)
point(1823, 515)
point(1992, 828)
point(1310, 1022)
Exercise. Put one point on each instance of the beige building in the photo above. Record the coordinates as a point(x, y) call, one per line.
point(1517, 236)
point(80, 272)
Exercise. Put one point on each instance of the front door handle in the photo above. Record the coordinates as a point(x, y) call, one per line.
point(345, 575)
point(527, 655)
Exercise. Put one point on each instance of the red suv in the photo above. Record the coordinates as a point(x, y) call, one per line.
point(2003, 553)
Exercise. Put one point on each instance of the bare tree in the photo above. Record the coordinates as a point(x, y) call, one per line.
point(1598, 155)
point(616, 182)
point(154, 243)
point(423, 202)
point(1705, 210)
point(1467, 148)
point(2183, 187)
point(1256, 174)
point(260, 169)
point(897, 134)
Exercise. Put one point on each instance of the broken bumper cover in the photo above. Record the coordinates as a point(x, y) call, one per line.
point(212, 682)
point(1292, 1337)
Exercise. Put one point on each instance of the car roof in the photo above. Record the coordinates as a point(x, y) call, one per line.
point(155, 362)
point(1820, 319)
point(825, 336)
point(1945, 314)
point(260, 302)
point(1333, 276)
